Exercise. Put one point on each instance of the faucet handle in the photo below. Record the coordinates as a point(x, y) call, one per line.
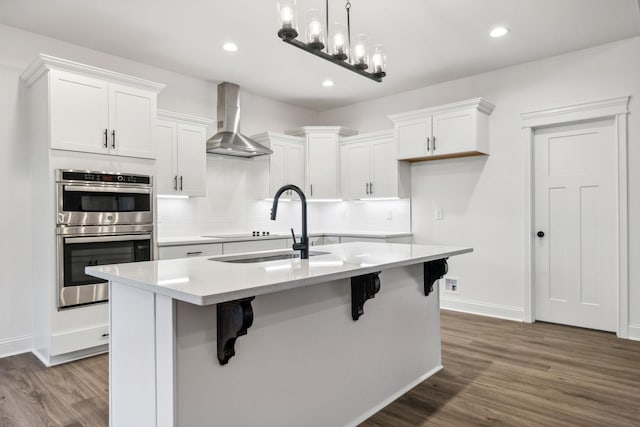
point(294, 236)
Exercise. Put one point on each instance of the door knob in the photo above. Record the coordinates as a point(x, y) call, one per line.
point(540, 234)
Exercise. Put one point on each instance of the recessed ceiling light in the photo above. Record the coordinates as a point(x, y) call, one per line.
point(327, 83)
point(230, 47)
point(498, 32)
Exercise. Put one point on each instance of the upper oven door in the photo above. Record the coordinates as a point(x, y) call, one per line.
point(103, 205)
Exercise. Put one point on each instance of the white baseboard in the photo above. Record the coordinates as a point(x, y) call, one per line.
point(484, 309)
point(393, 397)
point(634, 332)
point(49, 361)
point(17, 345)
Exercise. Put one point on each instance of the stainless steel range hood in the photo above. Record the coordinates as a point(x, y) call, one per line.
point(229, 141)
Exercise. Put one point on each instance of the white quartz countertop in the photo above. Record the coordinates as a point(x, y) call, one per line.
point(202, 281)
point(222, 238)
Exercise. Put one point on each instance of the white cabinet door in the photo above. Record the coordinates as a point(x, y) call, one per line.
point(167, 162)
point(453, 132)
point(79, 113)
point(357, 170)
point(411, 136)
point(295, 164)
point(277, 166)
point(384, 170)
point(132, 114)
point(192, 160)
point(322, 158)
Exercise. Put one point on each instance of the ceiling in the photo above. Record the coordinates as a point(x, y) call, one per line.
point(428, 41)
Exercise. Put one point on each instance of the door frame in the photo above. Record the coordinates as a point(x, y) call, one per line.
point(617, 109)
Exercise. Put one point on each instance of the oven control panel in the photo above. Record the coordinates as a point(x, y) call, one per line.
point(106, 178)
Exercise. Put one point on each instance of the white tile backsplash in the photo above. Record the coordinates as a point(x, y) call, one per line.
point(230, 208)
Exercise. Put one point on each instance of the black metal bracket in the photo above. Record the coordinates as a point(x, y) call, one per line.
point(363, 288)
point(434, 270)
point(234, 318)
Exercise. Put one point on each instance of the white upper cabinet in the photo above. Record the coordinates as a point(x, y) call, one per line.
point(94, 110)
point(132, 114)
point(322, 165)
point(369, 169)
point(79, 111)
point(452, 130)
point(182, 159)
point(285, 166)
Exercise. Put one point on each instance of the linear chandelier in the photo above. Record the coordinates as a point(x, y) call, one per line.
point(361, 59)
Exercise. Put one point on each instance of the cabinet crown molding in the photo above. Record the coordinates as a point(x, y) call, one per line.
point(45, 63)
point(368, 137)
point(304, 130)
point(179, 117)
point(480, 104)
point(268, 135)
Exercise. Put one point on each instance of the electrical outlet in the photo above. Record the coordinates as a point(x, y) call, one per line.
point(451, 284)
point(390, 214)
point(438, 214)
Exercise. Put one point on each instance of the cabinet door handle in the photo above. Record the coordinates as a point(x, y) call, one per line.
point(428, 144)
point(194, 253)
point(371, 188)
point(181, 182)
point(311, 185)
point(106, 138)
point(113, 138)
point(433, 144)
point(175, 183)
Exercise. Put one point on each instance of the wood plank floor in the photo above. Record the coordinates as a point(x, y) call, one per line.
point(496, 373)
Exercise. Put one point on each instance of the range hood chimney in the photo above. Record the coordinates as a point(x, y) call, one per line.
point(229, 141)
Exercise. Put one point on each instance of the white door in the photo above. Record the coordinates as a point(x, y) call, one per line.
point(384, 170)
point(192, 160)
point(453, 132)
point(277, 166)
point(322, 156)
point(132, 114)
point(167, 163)
point(575, 218)
point(411, 136)
point(357, 170)
point(295, 166)
point(79, 113)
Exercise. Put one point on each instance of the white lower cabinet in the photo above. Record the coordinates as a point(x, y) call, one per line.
point(186, 251)
point(182, 157)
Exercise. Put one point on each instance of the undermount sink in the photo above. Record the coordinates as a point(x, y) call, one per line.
point(263, 257)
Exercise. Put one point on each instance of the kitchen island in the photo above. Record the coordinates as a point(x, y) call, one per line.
point(272, 340)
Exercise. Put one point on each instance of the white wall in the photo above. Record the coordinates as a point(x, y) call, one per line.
point(183, 94)
point(482, 196)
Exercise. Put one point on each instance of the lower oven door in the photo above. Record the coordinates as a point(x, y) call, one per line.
point(77, 252)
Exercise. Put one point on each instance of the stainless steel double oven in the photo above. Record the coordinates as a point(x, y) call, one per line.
point(102, 218)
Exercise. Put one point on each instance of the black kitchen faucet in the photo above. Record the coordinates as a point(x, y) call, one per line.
point(303, 246)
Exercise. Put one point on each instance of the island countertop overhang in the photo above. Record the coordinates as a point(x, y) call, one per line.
point(202, 281)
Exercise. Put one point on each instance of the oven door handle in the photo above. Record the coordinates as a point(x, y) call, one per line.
point(86, 188)
point(97, 239)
